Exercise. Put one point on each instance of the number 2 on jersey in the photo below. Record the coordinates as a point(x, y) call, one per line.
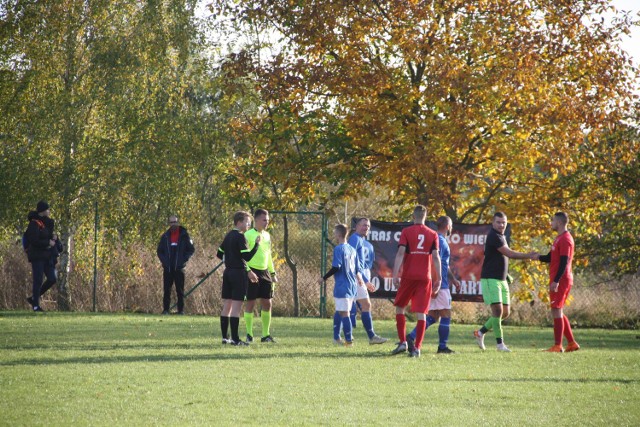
point(420, 241)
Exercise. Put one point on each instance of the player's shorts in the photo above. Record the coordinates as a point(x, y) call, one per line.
point(558, 298)
point(495, 291)
point(416, 292)
point(442, 301)
point(263, 289)
point(343, 304)
point(362, 292)
point(234, 284)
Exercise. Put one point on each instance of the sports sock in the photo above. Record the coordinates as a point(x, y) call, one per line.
point(224, 326)
point(568, 333)
point(337, 322)
point(443, 331)
point(497, 328)
point(352, 314)
point(235, 322)
point(412, 335)
point(266, 323)
point(430, 321)
point(346, 325)
point(248, 321)
point(488, 325)
point(367, 322)
point(558, 329)
point(401, 324)
point(420, 330)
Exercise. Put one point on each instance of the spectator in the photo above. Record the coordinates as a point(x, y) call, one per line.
point(174, 250)
point(40, 241)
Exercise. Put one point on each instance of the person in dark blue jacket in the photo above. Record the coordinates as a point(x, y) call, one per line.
point(174, 250)
point(40, 241)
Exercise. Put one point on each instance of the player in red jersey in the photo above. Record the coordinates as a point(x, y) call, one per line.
point(418, 256)
point(560, 281)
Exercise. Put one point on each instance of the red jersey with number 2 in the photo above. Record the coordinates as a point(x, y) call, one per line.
point(420, 241)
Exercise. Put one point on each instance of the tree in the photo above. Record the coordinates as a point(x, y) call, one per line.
point(465, 107)
point(98, 106)
point(609, 173)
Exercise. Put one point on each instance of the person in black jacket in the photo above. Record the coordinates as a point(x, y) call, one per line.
point(174, 250)
point(235, 253)
point(39, 249)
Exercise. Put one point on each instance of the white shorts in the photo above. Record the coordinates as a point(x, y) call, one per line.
point(442, 301)
point(362, 293)
point(343, 304)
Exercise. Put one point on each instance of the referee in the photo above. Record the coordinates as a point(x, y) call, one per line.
point(235, 279)
point(262, 265)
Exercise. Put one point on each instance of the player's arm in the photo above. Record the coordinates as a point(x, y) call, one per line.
point(330, 273)
point(508, 252)
point(545, 258)
point(452, 278)
point(359, 279)
point(247, 253)
point(436, 269)
point(272, 269)
point(220, 253)
point(398, 262)
point(356, 243)
point(562, 268)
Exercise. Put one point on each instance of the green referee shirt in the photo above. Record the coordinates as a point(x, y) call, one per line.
point(262, 260)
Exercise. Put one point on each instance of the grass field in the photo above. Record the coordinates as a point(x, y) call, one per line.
point(131, 369)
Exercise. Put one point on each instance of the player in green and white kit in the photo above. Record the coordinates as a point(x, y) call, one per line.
point(262, 265)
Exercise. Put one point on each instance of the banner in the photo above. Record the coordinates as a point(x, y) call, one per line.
point(467, 253)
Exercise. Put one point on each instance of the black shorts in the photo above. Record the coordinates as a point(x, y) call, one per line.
point(263, 289)
point(234, 284)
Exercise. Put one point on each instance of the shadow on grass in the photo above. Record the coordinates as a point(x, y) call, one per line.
point(227, 353)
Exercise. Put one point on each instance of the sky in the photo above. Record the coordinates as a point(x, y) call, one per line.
point(631, 44)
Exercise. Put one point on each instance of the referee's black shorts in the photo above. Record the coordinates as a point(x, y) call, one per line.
point(234, 284)
point(263, 289)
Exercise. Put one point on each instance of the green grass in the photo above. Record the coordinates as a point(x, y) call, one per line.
point(130, 369)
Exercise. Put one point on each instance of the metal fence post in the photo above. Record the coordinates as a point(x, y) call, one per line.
point(95, 256)
point(323, 267)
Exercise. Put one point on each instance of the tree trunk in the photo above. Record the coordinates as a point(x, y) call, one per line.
point(294, 268)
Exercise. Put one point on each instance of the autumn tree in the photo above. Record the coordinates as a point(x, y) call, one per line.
point(466, 107)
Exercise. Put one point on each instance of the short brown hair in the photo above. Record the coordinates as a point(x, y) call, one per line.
point(342, 230)
point(443, 221)
point(419, 212)
point(562, 216)
point(260, 212)
point(241, 216)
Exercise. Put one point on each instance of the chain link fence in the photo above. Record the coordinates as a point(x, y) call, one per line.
point(130, 279)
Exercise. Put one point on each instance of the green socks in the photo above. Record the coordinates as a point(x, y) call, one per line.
point(497, 327)
point(266, 323)
point(248, 320)
point(494, 323)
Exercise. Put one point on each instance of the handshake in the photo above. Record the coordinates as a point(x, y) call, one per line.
point(532, 256)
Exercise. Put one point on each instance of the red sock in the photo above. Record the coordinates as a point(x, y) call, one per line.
point(558, 326)
point(401, 325)
point(568, 333)
point(420, 329)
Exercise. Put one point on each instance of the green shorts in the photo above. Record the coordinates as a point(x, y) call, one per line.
point(495, 291)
